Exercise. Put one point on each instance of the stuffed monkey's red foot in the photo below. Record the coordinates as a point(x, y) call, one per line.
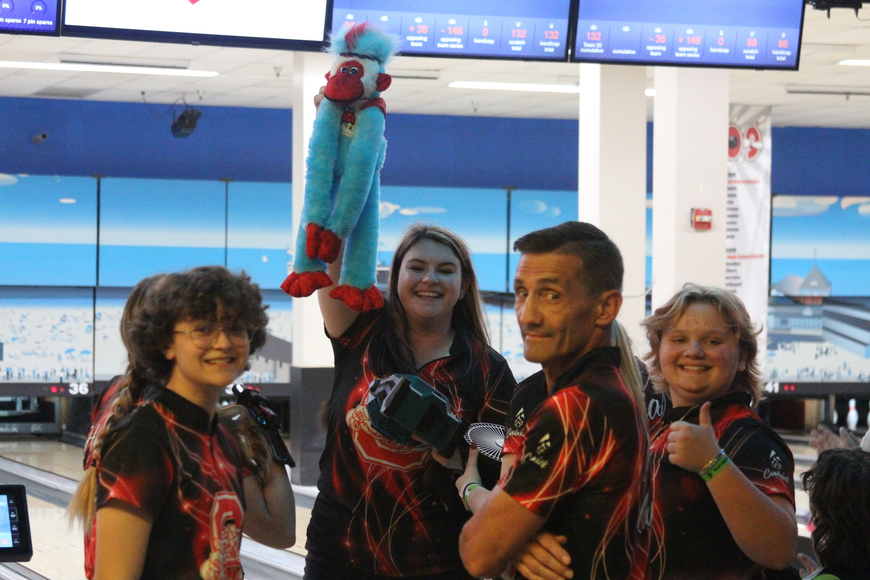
point(304, 284)
point(312, 240)
point(330, 244)
point(357, 298)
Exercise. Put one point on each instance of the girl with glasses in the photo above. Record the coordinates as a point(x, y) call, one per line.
point(171, 490)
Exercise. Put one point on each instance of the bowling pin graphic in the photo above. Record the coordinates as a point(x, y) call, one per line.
point(852, 416)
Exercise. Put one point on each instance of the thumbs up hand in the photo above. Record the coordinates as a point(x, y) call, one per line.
point(693, 446)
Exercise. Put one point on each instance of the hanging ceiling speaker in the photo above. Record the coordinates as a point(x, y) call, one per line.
point(185, 123)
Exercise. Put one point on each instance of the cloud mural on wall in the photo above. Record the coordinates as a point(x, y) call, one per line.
point(849, 201)
point(863, 204)
point(536, 206)
point(6, 179)
point(386, 209)
point(421, 210)
point(796, 206)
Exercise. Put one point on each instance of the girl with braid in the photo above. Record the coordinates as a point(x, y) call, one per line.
point(169, 490)
point(126, 383)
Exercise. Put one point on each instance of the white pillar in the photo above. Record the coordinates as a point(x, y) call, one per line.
point(612, 178)
point(311, 348)
point(690, 170)
point(311, 373)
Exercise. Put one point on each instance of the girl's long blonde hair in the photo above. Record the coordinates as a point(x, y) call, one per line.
point(119, 400)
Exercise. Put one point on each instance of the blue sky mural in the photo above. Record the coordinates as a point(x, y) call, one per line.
point(149, 226)
point(479, 216)
point(832, 232)
point(48, 230)
point(259, 230)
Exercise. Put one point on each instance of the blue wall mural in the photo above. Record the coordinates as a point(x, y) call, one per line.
point(447, 170)
point(147, 226)
point(819, 315)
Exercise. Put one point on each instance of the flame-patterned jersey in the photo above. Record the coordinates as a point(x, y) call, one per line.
point(529, 393)
point(584, 467)
point(533, 390)
point(691, 539)
point(385, 507)
point(168, 458)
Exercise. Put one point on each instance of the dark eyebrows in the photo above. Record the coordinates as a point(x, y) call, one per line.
point(550, 281)
point(541, 282)
point(421, 261)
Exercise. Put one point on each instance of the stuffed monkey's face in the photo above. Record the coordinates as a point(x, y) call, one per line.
point(349, 80)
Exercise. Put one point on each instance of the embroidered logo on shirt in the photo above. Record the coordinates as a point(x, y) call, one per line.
point(373, 447)
point(226, 528)
point(776, 464)
point(544, 445)
point(521, 418)
point(775, 461)
point(655, 409)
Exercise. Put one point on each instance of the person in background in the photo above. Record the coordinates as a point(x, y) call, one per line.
point(823, 438)
point(582, 471)
point(385, 507)
point(172, 490)
point(724, 488)
point(839, 489)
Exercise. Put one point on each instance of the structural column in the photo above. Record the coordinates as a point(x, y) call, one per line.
point(690, 170)
point(312, 371)
point(612, 178)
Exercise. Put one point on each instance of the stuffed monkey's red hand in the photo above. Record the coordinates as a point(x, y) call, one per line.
point(312, 240)
point(321, 243)
point(330, 244)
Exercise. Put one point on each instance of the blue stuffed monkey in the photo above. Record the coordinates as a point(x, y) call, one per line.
point(345, 156)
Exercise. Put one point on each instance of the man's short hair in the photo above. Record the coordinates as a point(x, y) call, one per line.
point(602, 268)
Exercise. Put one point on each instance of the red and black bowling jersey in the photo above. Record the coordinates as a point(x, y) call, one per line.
point(533, 390)
point(691, 539)
point(99, 417)
point(167, 458)
point(657, 407)
point(584, 467)
point(527, 396)
point(376, 510)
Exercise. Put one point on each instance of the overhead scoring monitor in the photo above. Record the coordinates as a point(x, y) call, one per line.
point(505, 29)
point(758, 34)
point(30, 17)
point(285, 24)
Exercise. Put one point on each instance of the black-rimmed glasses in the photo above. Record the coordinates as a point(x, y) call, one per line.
point(205, 336)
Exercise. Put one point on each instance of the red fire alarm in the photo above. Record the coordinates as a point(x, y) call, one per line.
point(702, 218)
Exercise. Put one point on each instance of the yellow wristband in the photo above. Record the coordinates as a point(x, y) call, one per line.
point(714, 466)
